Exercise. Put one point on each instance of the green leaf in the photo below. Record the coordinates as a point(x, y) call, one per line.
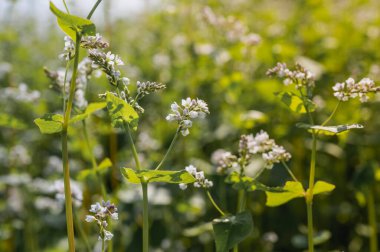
point(295, 103)
point(91, 108)
point(322, 187)
point(172, 177)
point(72, 24)
point(50, 123)
point(329, 130)
point(9, 121)
point(291, 190)
point(120, 111)
point(231, 230)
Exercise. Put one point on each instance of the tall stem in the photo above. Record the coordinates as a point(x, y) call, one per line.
point(133, 147)
point(332, 114)
point(310, 230)
point(214, 204)
point(144, 186)
point(93, 9)
point(309, 196)
point(169, 149)
point(289, 171)
point(65, 153)
point(372, 221)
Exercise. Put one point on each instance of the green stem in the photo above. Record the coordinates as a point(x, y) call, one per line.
point(133, 147)
point(93, 161)
point(64, 85)
point(169, 149)
point(332, 114)
point(240, 208)
point(67, 9)
point(372, 221)
point(65, 153)
point(214, 204)
point(93, 9)
point(103, 245)
point(289, 171)
point(310, 230)
point(144, 186)
point(82, 232)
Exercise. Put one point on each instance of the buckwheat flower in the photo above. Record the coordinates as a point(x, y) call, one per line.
point(93, 42)
point(68, 50)
point(145, 88)
point(276, 155)
point(188, 110)
point(107, 63)
point(224, 160)
point(90, 218)
point(350, 89)
point(101, 214)
point(299, 76)
point(201, 181)
point(260, 143)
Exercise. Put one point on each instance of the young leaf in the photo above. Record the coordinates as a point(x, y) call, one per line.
point(9, 121)
point(72, 24)
point(120, 111)
point(50, 123)
point(91, 108)
point(231, 230)
point(106, 163)
point(323, 187)
point(295, 103)
point(330, 130)
point(171, 177)
point(291, 190)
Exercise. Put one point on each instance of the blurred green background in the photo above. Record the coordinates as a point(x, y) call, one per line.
point(179, 43)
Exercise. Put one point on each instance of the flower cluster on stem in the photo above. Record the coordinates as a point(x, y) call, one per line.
point(101, 214)
point(201, 181)
point(351, 89)
point(299, 76)
point(69, 49)
point(188, 110)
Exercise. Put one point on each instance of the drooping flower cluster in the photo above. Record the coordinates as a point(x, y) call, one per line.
point(93, 42)
point(188, 110)
point(145, 88)
point(351, 89)
point(69, 49)
point(250, 145)
point(300, 77)
point(108, 62)
point(101, 214)
point(201, 181)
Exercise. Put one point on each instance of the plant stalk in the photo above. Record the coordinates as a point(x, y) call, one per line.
point(309, 196)
point(372, 221)
point(289, 171)
point(169, 149)
point(144, 186)
point(133, 147)
point(65, 153)
point(93, 9)
point(214, 203)
point(310, 230)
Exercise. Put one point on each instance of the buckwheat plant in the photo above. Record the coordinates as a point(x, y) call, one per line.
point(73, 96)
point(101, 213)
point(124, 110)
point(300, 101)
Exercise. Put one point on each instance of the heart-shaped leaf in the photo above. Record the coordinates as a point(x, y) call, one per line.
point(329, 130)
point(171, 177)
point(291, 189)
point(50, 123)
point(231, 230)
point(71, 25)
point(295, 103)
point(120, 112)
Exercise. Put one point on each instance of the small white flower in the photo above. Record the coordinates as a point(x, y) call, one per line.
point(191, 169)
point(115, 216)
point(182, 186)
point(90, 218)
point(107, 235)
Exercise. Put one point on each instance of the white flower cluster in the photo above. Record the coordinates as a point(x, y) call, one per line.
point(201, 181)
point(351, 89)
point(68, 50)
point(300, 77)
point(93, 42)
point(188, 110)
point(101, 213)
point(224, 160)
point(269, 150)
point(144, 88)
